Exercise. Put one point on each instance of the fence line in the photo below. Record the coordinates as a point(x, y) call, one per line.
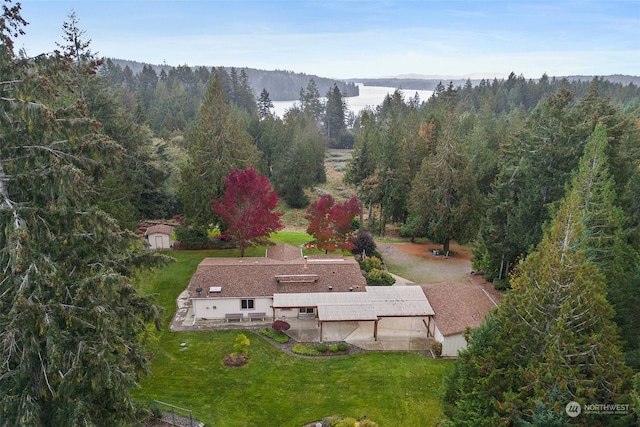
point(169, 417)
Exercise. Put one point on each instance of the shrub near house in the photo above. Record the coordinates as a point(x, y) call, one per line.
point(376, 275)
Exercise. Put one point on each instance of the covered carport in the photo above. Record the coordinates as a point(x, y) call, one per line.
point(331, 307)
point(401, 301)
point(371, 306)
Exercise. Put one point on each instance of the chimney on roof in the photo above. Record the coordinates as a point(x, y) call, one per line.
point(306, 264)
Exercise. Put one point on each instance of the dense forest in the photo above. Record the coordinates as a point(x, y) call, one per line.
point(523, 168)
point(282, 85)
point(428, 83)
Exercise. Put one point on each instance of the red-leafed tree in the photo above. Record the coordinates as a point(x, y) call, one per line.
point(330, 222)
point(247, 209)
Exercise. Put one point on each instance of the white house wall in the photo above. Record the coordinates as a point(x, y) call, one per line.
point(216, 308)
point(437, 335)
point(286, 313)
point(452, 344)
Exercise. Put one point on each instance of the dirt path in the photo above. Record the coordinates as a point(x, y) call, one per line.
point(417, 263)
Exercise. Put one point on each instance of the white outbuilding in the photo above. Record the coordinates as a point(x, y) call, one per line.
point(159, 237)
point(457, 307)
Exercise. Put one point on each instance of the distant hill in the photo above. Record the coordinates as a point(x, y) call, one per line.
point(285, 85)
point(615, 78)
point(411, 83)
point(281, 85)
point(417, 82)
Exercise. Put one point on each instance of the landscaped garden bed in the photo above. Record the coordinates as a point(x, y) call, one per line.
point(320, 349)
point(306, 349)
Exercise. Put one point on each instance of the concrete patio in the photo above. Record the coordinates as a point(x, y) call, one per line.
point(394, 334)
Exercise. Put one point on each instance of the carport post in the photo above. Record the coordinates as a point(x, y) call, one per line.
point(375, 330)
point(321, 323)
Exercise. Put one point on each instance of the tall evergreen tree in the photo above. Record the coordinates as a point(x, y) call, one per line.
point(552, 340)
point(363, 162)
point(535, 166)
point(606, 242)
point(70, 320)
point(335, 127)
point(265, 105)
point(445, 201)
point(300, 162)
point(310, 100)
point(216, 144)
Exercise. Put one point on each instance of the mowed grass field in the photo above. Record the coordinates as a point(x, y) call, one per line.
point(277, 389)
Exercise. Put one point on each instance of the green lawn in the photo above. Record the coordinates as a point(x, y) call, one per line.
point(276, 389)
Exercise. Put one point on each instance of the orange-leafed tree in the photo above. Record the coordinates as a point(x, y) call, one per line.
point(330, 222)
point(247, 209)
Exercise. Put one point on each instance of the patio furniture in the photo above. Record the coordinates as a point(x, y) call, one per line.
point(255, 315)
point(233, 316)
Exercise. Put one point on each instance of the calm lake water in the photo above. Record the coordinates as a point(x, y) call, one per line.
point(370, 96)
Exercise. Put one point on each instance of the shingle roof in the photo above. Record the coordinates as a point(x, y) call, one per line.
point(457, 305)
point(256, 277)
point(284, 252)
point(159, 229)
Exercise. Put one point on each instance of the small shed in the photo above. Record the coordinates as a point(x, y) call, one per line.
point(457, 306)
point(159, 236)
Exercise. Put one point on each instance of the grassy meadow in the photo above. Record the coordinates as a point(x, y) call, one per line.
point(277, 389)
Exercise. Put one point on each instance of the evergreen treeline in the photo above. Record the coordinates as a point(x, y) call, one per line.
point(544, 177)
point(205, 123)
point(282, 85)
point(168, 100)
point(89, 148)
point(409, 83)
point(72, 325)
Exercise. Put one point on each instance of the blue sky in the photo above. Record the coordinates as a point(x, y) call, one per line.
point(356, 38)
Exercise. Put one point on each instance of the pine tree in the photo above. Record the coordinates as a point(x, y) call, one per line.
point(300, 160)
point(444, 202)
point(265, 105)
point(70, 320)
point(536, 165)
point(334, 118)
point(552, 340)
point(216, 144)
point(310, 100)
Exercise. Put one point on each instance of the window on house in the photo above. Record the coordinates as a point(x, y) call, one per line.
point(306, 311)
point(247, 304)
